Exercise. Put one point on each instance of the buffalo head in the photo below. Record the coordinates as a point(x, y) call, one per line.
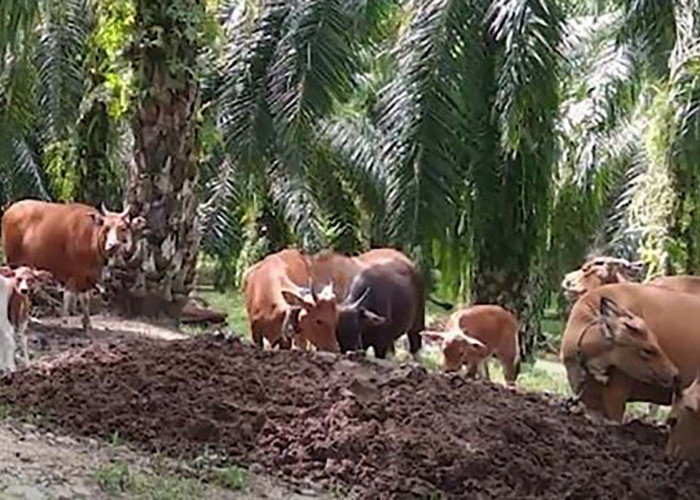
point(353, 318)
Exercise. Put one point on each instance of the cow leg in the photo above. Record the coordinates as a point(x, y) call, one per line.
point(485, 369)
point(84, 299)
point(69, 299)
point(380, 351)
point(653, 411)
point(7, 345)
point(22, 335)
point(510, 369)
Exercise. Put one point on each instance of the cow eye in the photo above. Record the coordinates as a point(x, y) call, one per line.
point(319, 322)
point(648, 352)
point(672, 421)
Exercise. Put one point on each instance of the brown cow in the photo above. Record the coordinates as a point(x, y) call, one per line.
point(72, 241)
point(627, 342)
point(598, 272)
point(684, 421)
point(277, 304)
point(491, 325)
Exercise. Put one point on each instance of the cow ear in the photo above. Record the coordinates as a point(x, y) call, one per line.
point(96, 218)
point(433, 336)
point(293, 299)
point(370, 318)
point(691, 403)
point(138, 223)
point(6, 272)
point(609, 309)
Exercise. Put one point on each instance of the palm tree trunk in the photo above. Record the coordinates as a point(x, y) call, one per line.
point(158, 277)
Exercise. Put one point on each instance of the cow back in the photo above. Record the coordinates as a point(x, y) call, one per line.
point(491, 324)
point(60, 238)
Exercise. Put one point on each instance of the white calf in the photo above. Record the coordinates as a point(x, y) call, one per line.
point(16, 310)
point(7, 330)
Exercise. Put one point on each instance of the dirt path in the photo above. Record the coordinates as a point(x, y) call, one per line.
point(37, 465)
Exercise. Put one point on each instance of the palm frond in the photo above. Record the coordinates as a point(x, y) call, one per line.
point(63, 34)
point(17, 19)
point(313, 66)
point(356, 144)
point(239, 96)
point(424, 116)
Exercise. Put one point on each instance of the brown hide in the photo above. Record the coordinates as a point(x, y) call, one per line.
point(66, 239)
point(684, 421)
point(263, 283)
point(681, 283)
point(18, 308)
point(328, 266)
point(270, 285)
point(671, 316)
point(496, 328)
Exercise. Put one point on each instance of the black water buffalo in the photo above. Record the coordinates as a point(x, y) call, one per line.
point(385, 301)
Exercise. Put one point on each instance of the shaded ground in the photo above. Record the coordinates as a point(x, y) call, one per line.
point(381, 431)
point(38, 465)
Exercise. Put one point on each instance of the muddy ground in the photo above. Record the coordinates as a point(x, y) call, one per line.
point(378, 431)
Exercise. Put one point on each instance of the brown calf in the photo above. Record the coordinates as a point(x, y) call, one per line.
point(492, 326)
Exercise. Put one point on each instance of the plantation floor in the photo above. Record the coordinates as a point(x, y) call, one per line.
point(352, 426)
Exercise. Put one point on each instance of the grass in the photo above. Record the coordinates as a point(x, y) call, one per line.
point(119, 478)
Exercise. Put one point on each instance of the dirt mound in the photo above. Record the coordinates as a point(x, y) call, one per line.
point(386, 432)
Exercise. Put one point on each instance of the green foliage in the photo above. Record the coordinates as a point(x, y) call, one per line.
point(118, 478)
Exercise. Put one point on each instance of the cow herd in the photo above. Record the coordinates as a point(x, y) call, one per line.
point(65, 242)
point(624, 341)
point(336, 302)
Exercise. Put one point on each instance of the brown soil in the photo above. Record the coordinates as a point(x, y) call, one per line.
point(384, 432)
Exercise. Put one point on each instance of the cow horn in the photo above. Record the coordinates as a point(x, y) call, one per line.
point(126, 211)
point(103, 209)
point(327, 292)
point(313, 290)
point(357, 303)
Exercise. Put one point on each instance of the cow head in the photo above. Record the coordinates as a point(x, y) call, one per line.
point(598, 272)
point(458, 348)
point(630, 346)
point(353, 318)
point(684, 421)
point(116, 232)
point(318, 316)
point(26, 278)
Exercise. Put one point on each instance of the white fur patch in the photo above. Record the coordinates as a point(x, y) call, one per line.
point(112, 239)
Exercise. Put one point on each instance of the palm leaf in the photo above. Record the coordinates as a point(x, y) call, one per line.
point(63, 34)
